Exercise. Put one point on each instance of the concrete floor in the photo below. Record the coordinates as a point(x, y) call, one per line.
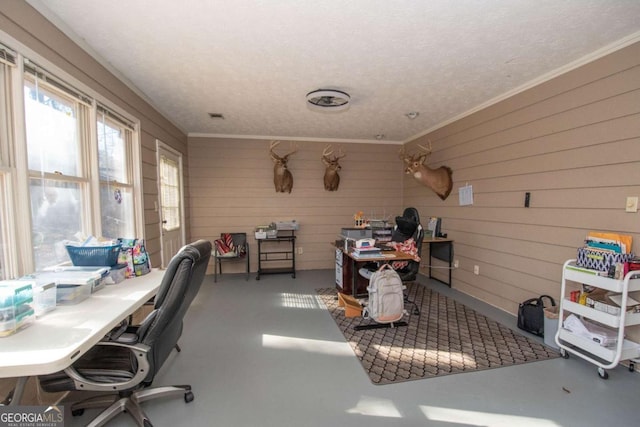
point(267, 353)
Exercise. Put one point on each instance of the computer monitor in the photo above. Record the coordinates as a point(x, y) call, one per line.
point(433, 227)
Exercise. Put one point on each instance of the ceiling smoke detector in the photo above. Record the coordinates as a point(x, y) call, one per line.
point(328, 100)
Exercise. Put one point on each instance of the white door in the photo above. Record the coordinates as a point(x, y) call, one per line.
point(171, 201)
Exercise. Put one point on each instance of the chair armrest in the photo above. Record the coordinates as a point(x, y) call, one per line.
point(116, 332)
point(139, 351)
point(126, 338)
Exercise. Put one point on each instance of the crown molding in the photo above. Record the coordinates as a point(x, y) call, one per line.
point(593, 56)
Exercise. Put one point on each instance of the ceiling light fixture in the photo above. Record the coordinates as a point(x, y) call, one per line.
point(412, 115)
point(328, 100)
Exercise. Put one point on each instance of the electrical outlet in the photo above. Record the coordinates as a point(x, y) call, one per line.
point(476, 269)
point(456, 263)
point(300, 250)
point(632, 204)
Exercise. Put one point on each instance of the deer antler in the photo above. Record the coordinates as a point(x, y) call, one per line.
point(294, 149)
point(328, 151)
point(274, 156)
point(325, 155)
point(426, 152)
point(401, 154)
point(272, 146)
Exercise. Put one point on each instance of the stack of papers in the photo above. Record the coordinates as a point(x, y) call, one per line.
point(367, 252)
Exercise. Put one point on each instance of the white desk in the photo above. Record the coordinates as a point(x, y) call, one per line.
point(57, 339)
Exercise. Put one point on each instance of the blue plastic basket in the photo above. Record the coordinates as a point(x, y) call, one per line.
point(99, 256)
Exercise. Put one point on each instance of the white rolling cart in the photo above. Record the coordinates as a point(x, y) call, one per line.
point(603, 357)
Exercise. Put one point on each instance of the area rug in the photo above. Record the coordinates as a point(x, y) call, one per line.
point(447, 337)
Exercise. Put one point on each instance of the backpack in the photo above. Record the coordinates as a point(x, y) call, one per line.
point(531, 315)
point(386, 296)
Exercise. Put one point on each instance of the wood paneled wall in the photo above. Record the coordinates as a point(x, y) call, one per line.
point(232, 190)
point(574, 144)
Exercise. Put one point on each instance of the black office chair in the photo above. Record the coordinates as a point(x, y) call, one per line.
point(127, 362)
point(408, 226)
point(240, 251)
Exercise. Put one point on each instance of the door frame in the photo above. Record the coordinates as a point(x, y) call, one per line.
point(161, 148)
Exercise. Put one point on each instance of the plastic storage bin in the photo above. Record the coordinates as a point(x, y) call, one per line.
point(72, 294)
point(117, 274)
point(74, 284)
point(89, 256)
point(96, 275)
point(44, 297)
point(16, 306)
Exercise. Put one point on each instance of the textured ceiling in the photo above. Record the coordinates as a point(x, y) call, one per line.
point(255, 60)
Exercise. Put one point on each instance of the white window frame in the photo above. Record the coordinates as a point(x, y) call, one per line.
point(133, 174)
point(18, 259)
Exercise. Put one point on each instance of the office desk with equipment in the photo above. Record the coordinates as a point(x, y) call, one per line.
point(348, 280)
point(441, 249)
point(56, 340)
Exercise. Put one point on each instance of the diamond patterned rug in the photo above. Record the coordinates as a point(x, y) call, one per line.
point(446, 338)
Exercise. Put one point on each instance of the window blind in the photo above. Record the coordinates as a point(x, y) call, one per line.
point(46, 77)
point(115, 116)
point(7, 56)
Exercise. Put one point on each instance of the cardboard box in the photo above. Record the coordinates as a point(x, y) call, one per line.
point(352, 307)
point(599, 300)
point(140, 314)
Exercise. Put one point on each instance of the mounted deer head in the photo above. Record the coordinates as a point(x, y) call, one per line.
point(439, 180)
point(331, 177)
point(282, 178)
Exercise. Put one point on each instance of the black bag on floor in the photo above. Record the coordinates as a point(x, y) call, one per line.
point(531, 315)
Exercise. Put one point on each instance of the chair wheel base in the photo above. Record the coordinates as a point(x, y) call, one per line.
point(77, 412)
point(188, 397)
point(380, 325)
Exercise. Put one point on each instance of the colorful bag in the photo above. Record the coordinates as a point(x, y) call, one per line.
point(134, 254)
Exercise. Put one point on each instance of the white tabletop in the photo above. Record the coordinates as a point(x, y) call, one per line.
point(54, 341)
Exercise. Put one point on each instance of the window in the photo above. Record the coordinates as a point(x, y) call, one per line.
point(7, 66)
point(69, 200)
point(170, 188)
point(5, 265)
point(56, 128)
point(67, 167)
point(115, 136)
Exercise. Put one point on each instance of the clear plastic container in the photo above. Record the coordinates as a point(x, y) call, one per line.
point(16, 306)
point(117, 274)
point(74, 284)
point(44, 298)
point(72, 294)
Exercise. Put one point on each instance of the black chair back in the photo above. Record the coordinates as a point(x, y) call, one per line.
point(162, 328)
point(408, 226)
